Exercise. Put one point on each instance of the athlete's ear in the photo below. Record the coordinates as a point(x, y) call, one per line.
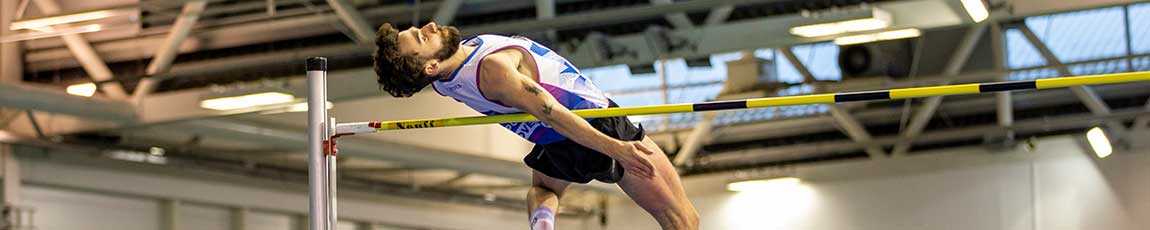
point(431, 67)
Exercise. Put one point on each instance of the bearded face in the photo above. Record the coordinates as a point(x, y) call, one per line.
point(401, 56)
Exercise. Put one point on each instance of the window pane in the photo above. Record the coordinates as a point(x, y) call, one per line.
point(1082, 35)
point(821, 59)
point(1142, 64)
point(1140, 27)
point(1105, 67)
point(1019, 52)
point(1033, 74)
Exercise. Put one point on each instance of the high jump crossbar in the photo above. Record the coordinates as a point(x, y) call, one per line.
point(322, 129)
point(829, 98)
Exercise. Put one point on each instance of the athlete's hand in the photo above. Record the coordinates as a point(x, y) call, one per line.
point(633, 155)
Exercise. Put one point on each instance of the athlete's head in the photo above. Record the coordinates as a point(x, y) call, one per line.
point(407, 61)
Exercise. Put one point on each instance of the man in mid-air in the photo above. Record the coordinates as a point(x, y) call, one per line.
point(495, 74)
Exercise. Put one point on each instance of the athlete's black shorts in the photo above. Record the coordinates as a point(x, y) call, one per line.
point(570, 161)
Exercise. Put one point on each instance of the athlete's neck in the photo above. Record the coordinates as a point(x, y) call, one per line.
point(454, 61)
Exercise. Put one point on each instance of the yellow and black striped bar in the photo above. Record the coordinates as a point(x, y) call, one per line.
point(376, 126)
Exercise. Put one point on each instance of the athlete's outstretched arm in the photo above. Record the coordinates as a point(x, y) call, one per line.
point(503, 82)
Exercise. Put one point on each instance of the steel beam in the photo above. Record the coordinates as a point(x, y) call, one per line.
point(1088, 97)
point(56, 101)
point(930, 105)
point(831, 148)
point(1142, 121)
point(978, 105)
point(718, 15)
point(706, 40)
point(695, 141)
point(851, 127)
point(10, 57)
point(679, 20)
point(799, 65)
point(452, 181)
point(606, 16)
point(445, 15)
point(917, 125)
point(361, 31)
point(89, 59)
point(408, 155)
point(545, 9)
point(1003, 102)
point(170, 47)
point(227, 35)
point(856, 131)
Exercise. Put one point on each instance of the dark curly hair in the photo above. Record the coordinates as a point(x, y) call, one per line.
point(400, 75)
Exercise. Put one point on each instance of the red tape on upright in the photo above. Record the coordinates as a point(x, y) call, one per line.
point(330, 146)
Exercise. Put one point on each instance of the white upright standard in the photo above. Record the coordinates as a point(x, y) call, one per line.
point(321, 154)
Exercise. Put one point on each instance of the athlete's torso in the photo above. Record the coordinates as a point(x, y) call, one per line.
point(553, 72)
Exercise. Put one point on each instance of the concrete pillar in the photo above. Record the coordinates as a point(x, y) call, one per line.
point(170, 216)
point(239, 218)
point(11, 170)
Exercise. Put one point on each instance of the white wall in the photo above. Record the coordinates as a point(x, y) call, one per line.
point(68, 196)
point(1056, 187)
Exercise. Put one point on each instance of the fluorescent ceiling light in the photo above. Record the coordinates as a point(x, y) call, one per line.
point(246, 101)
point(63, 19)
point(302, 107)
point(764, 185)
point(83, 90)
point(817, 30)
point(1099, 142)
point(44, 32)
point(878, 20)
point(6, 136)
point(898, 34)
point(856, 39)
point(864, 24)
point(881, 36)
point(976, 10)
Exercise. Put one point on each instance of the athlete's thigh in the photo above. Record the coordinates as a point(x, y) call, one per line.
point(556, 186)
point(660, 193)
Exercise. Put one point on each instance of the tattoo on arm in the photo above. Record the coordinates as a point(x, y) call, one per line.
point(547, 109)
point(531, 88)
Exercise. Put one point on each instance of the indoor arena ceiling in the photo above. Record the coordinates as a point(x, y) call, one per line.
point(264, 42)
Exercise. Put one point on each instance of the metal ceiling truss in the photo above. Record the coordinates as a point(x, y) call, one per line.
point(758, 156)
point(1089, 98)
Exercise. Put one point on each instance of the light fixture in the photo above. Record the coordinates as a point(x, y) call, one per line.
point(878, 20)
point(71, 18)
point(976, 10)
point(1099, 142)
point(6, 136)
point(302, 107)
point(83, 90)
point(45, 32)
point(764, 185)
point(880, 36)
point(156, 151)
point(246, 101)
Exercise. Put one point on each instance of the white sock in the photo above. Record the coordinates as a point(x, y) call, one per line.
point(542, 219)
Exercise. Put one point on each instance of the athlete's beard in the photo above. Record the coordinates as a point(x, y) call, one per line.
point(451, 40)
point(410, 86)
